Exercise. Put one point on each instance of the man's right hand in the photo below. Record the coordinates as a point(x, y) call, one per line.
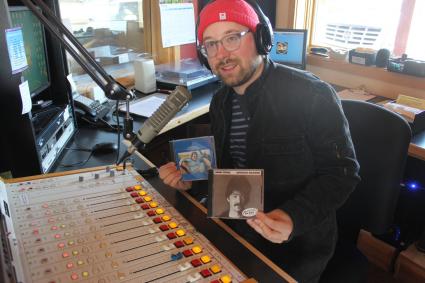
point(172, 177)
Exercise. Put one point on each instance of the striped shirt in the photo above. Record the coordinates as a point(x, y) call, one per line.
point(238, 131)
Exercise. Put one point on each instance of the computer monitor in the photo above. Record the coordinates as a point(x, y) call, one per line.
point(289, 47)
point(37, 73)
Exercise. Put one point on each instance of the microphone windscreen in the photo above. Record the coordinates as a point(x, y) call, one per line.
point(168, 109)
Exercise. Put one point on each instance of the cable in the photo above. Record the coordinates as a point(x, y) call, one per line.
point(80, 163)
point(118, 133)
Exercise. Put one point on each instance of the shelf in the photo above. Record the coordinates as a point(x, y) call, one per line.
point(370, 72)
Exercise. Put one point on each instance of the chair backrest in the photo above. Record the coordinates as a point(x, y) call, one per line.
point(381, 139)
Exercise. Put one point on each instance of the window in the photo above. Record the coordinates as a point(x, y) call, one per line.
point(393, 24)
point(111, 30)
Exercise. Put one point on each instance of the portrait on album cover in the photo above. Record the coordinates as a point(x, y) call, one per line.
point(235, 193)
point(194, 157)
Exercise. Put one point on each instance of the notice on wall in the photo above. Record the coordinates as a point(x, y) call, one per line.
point(16, 49)
point(24, 89)
point(177, 24)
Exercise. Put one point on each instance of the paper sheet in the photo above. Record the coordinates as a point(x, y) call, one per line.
point(24, 89)
point(146, 106)
point(355, 94)
point(16, 49)
point(177, 24)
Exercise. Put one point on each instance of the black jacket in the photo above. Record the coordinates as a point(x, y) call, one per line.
point(299, 135)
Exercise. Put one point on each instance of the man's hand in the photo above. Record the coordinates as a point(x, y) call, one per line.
point(173, 177)
point(276, 225)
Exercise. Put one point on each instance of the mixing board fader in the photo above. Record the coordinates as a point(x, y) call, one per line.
point(104, 226)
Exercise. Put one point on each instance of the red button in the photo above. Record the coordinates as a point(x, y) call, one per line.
point(163, 227)
point(179, 244)
point(130, 189)
point(187, 253)
point(205, 273)
point(151, 213)
point(139, 200)
point(171, 235)
point(145, 206)
point(134, 194)
point(157, 220)
point(196, 262)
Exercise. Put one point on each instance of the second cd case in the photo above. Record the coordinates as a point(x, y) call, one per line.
point(194, 157)
point(235, 193)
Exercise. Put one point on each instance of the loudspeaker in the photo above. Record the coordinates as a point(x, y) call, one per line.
point(382, 58)
point(263, 35)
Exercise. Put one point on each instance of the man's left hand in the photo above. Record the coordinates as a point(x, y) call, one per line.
point(276, 225)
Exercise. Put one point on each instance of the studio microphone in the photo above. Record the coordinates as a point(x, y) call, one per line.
point(150, 129)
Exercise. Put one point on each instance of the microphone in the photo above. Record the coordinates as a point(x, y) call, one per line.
point(154, 124)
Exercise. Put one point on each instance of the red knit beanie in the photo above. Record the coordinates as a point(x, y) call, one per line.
point(237, 11)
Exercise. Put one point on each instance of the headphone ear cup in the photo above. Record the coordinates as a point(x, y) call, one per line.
point(202, 59)
point(263, 39)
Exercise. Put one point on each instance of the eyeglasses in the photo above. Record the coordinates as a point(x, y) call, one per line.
point(230, 42)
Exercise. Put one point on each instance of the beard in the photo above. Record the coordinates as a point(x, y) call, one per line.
point(241, 77)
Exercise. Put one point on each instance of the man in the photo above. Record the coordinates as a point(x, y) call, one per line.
point(237, 195)
point(290, 124)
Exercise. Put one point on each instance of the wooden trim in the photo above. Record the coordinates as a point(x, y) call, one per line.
point(370, 72)
point(161, 55)
point(58, 174)
point(416, 151)
point(250, 247)
point(147, 26)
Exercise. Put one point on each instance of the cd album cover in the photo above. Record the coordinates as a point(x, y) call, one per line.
point(194, 157)
point(235, 193)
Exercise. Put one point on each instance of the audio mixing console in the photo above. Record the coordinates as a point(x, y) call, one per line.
point(103, 225)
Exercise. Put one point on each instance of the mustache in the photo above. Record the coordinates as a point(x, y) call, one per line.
point(226, 61)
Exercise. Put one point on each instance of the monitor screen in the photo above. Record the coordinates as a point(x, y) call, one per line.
point(35, 48)
point(289, 47)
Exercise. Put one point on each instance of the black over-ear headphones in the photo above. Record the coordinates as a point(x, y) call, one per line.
point(263, 35)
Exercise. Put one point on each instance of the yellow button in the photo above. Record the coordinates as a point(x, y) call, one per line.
point(147, 198)
point(75, 252)
point(173, 225)
point(188, 241)
point(137, 187)
point(153, 204)
point(180, 233)
point(80, 262)
point(215, 268)
point(205, 259)
point(142, 193)
point(196, 249)
point(70, 243)
point(159, 211)
point(85, 274)
point(166, 217)
point(226, 279)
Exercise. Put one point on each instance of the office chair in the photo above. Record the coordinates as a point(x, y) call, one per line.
point(381, 139)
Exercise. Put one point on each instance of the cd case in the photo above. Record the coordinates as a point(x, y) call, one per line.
point(235, 193)
point(194, 157)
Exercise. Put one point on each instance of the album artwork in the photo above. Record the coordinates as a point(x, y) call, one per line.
point(235, 193)
point(194, 157)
